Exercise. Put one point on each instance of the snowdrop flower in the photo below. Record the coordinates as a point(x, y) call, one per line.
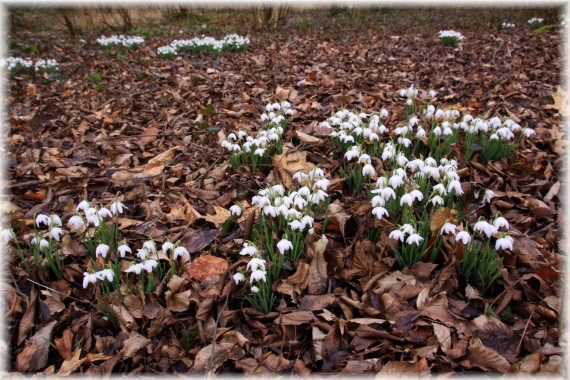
point(304, 192)
point(440, 188)
point(167, 246)
point(489, 194)
point(105, 212)
point(55, 220)
point(248, 249)
point(414, 238)
point(377, 200)
point(388, 193)
point(368, 170)
point(259, 152)
point(238, 277)
point(404, 141)
point(432, 94)
point(7, 235)
point(379, 212)
point(142, 253)
point(123, 249)
point(437, 200)
point(505, 242)
point(117, 207)
point(75, 222)
point(352, 153)
point(101, 250)
point(484, 227)
point(134, 268)
point(182, 252)
point(397, 234)
point(407, 228)
point(95, 220)
point(448, 228)
point(300, 176)
point(396, 181)
point(90, 212)
point(402, 160)
point(463, 237)
point(89, 278)
point(528, 132)
point(235, 210)
point(416, 194)
point(83, 205)
point(149, 265)
point(318, 197)
point(258, 275)
point(270, 210)
point(406, 199)
point(260, 201)
point(42, 218)
point(364, 158)
point(56, 233)
point(254, 289)
point(322, 184)
point(149, 246)
point(295, 225)
point(501, 222)
point(306, 221)
point(105, 274)
point(456, 186)
point(284, 245)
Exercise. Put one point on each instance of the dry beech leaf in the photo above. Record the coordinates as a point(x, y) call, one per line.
point(440, 217)
point(149, 135)
point(64, 344)
point(405, 369)
point(288, 163)
point(443, 334)
point(308, 139)
point(295, 318)
point(221, 215)
point(318, 276)
point(211, 357)
point(561, 101)
point(337, 216)
point(177, 301)
point(70, 365)
point(134, 343)
point(486, 358)
point(35, 354)
point(165, 157)
point(207, 266)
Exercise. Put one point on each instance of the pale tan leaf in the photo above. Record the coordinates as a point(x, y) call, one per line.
point(69, 366)
point(134, 343)
point(308, 139)
point(219, 217)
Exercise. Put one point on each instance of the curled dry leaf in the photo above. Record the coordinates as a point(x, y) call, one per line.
point(207, 266)
point(35, 354)
point(290, 162)
point(134, 343)
point(211, 357)
point(220, 216)
point(485, 358)
point(177, 300)
point(295, 284)
point(71, 364)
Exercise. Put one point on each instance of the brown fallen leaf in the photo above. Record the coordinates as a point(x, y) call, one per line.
point(318, 275)
point(64, 344)
point(207, 266)
point(70, 365)
point(290, 162)
point(35, 354)
point(211, 357)
point(440, 217)
point(134, 343)
point(196, 240)
point(149, 135)
point(165, 157)
point(485, 358)
point(221, 215)
point(295, 318)
point(177, 300)
point(28, 319)
point(308, 139)
point(405, 369)
point(561, 101)
point(312, 303)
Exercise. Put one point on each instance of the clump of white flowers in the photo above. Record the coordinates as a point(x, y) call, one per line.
point(535, 22)
point(231, 42)
point(563, 21)
point(120, 40)
point(507, 25)
point(47, 65)
point(167, 52)
point(12, 64)
point(258, 149)
point(450, 37)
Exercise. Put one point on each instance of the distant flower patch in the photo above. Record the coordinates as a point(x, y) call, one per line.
point(231, 42)
point(120, 41)
point(535, 22)
point(450, 37)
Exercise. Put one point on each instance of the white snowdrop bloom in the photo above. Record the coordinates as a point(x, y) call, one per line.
point(397, 235)
point(447, 131)
point(420, 133)
point(416, 194)
point(306, 221)
point(236, 148)
point(270, 210)
point(384, 113)
point(95, 220)
point(56, 233)
point(166, 246)
point(488, 196)
point(142, 253)
point(117, 207)
point(90, 212)
point(259, 152)
point(437, 200)
point(260, 201)
point(254, 289)
point(437, 131)
point(413, 121)
point(501, 222)
point(440, 188)
point(402, 92)
point(413, 165)
point(182, 252)
point(505, 133)
point(322, 184)
point(463, 237)
point(467, 118)
point(494, 122)
point(407, 228)
point(105, 274)
point(242, 134)
point(105, 212)
point(352, 153)
point(381, 182)
point(528, 132)
point(304, 191)
point(396, 181)
point(388, 193)
point(409, 101)
point(149, 265)
point(364, 158)
point(404, 141)
point(278, 189)
point(373, 136)
point(238, 277)
point(236, 210)
point(149, 246)
point(484, 227)
point(294, 214)
point(134, 268)
point(368, 170)
point(300, 203)
point(377, 200)
point(406, 199)
point(55, 220)
point(448, 228)
point(264, 117)
point(284, 245)
point(432, 94)
point(414, 239)
point(232, 136)
point(43, 219)
point(295, 225)
point(248, 250)
point(271, 115)
point(379, 212)
point(318, 196)
point(258, 275)
point(389, 151)
point(439, 114)
point(123, 249)
point(101, 250)
point(75, 222)
point(455, 185)
point(300, 176)
point(505, 242)
point(7, 235)
point(283, 211)
point(83, 206)
point(402, 160)
point(89, 278)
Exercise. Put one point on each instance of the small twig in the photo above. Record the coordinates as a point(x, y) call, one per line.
point(200, 178)
point(58, 292)
point(25, 184)
point(524, 332)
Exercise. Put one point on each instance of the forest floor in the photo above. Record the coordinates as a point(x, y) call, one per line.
point(131, 126)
